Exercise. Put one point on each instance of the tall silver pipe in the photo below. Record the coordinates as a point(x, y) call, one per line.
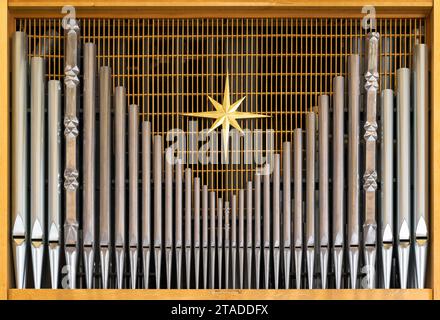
point(220, 240)
point(403, 173)
point(310, 196)
point(104, 174)
point(287, 251)
point(146, 200)
point(37, 168)
point(338, 177)
point(178, 220)
point(370, 175)
point(323, 125)
point(297, 218)
point(212, 238)
point(169, 217)
point(19, 193)
point(188, 223)
point(234, 240)
point(241, 237)
point(276, 239)
point(205, 235)
point(133, 210)
point(157, 180)
point(266, 222)
point(71, 81)
point(353, 166)
point(119, 187)
point(89, 239)
point(387, 184)
point(257, 230)
point(54, 179)
point(227, 242)
point(197, 241)
point(421, 156)
point(249, 242)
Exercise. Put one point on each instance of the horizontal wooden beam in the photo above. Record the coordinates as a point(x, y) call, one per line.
point(154, 294)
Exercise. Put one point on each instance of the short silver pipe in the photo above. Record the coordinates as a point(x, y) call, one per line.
point(234, 240)
point(287, 211)
point(188, 225)
point(168, 236)
point(276, 239)
point(267, 224)
point(157, 182)
point(197, 229)
point(179, 219)
point(146, 200)
point(241, 238)
point(212, 239)
point(257, 228)
point(249, 231)
point(219, 240)
point(205, 239)
point(298, 204)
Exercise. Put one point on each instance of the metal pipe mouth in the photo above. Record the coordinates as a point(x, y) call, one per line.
point(421, 241)
point(36, 242)
point(19, 239)
point(387, 244)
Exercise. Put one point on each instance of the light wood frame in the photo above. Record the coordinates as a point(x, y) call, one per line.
point(9, 10)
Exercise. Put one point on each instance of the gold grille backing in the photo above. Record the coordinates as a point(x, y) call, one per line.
point(170, 66)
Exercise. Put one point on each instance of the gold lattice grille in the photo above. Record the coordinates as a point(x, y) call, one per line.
point(170, 66)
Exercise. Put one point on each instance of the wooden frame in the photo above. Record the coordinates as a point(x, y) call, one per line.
point(9, 10)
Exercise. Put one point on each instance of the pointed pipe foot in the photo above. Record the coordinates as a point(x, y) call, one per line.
point(323, 258)
point(133, 251)
point(120, 258)
point(146, 252)
point(104, 254)
point(249, 267)
point(197, 266)
point(421, 249)
point(276, 263)
point(338, 253)
point(257, 267)
point(157, 264)
point(37, 250)
point(266, 257)
point(353, 259)
point(89, 257)
point(71, 253)
point(298, 266)
point(387, 259)
point(19, 251)
point(287, 256)
point(54, 262)
point(168, 265)
point(404, 252)
point(310, 253)
point(370, 262)
point(179, 267)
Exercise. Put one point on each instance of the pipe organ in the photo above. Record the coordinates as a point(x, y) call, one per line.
point(220, 153)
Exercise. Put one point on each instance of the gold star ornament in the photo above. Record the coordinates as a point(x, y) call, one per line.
point(226, 115)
